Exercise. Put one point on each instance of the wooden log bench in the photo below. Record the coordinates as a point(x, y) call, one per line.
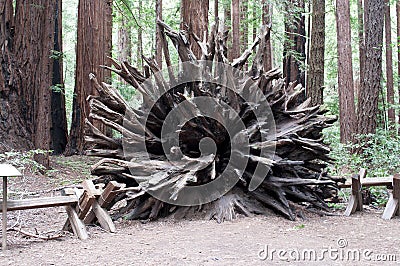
point(69, 201)
point(359, 181)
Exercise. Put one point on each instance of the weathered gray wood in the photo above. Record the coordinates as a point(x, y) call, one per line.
point(351, 206)
point(104, 200)
point(371, 182)
point(298, 137)
point(25, 204)
point(392, 207)
point(78, 227)
point(103, 217)
point(355, 201)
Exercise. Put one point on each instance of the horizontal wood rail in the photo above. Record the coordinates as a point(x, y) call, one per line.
point(36, 203)
point(359, 181)
point(370, 182)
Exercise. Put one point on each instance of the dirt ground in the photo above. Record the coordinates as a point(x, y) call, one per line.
point(362, 239)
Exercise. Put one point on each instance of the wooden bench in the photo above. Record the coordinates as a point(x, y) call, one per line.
point(69, 201)
point(83, 206)
point(356, 200)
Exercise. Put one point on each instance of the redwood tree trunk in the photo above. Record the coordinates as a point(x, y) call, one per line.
point(368, 102)
point(139, 50)
point(159, 44)
point(227, 24)
point(124, 40)
point(15, 128)
point(59, 135)
point(389, 65)
point(194, 14)
point(216, 10)
point(398, 50)
point(93, 47)
point(315, 78)
point(361, 46)
point(29, 57)
point(244, 25)
point(266, 20)
point(235, 18)
point(295, 42)
point(345, 72)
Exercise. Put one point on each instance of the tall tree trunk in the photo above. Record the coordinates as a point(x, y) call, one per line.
point(389, 65)
point(267, 20)
point(315, 78)
point(124, 40)
point(254, 18)
point(59, 135)
point(235, 18)
point(345, 72)
point(361, 45)
point(228, 28)
point(244, 25)
point(398, 51)
point(159, 44)
point(368, 102)
point(15, 126)
point(93, 48)
point(216, 10)
point(194, 14)
point(295, 42)
point(139, 51)
point(27, 43)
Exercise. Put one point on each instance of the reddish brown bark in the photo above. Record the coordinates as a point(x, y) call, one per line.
point(368, 101)
point(361, 45)
point(267, 20)
point(58, 131)
point(124, 40)
point(389, 65)
point(315, 78)
point(345, 72)
point(139, 50)
point(235, 18)
point(244, 26)
point(398, 49)
point(93, 48)
point(194, 15)
point(216, 10)
point(15, 132)
point(159, 45)
point(227, 24)
point(28, 40)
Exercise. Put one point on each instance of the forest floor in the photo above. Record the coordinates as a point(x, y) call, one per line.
point(362, 239)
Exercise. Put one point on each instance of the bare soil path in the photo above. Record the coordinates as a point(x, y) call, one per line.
point(363, 239)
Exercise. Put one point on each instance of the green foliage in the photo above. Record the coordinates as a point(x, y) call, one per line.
point(337, 206)
point(24, 160)
point(300, 226)
point(380, 195)
point(380, 152)
point(56, 55)
point(380, 155)
point(69, 26)
point(58, 88)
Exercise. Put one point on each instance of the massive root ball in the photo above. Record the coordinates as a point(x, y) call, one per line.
point(210, 134)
